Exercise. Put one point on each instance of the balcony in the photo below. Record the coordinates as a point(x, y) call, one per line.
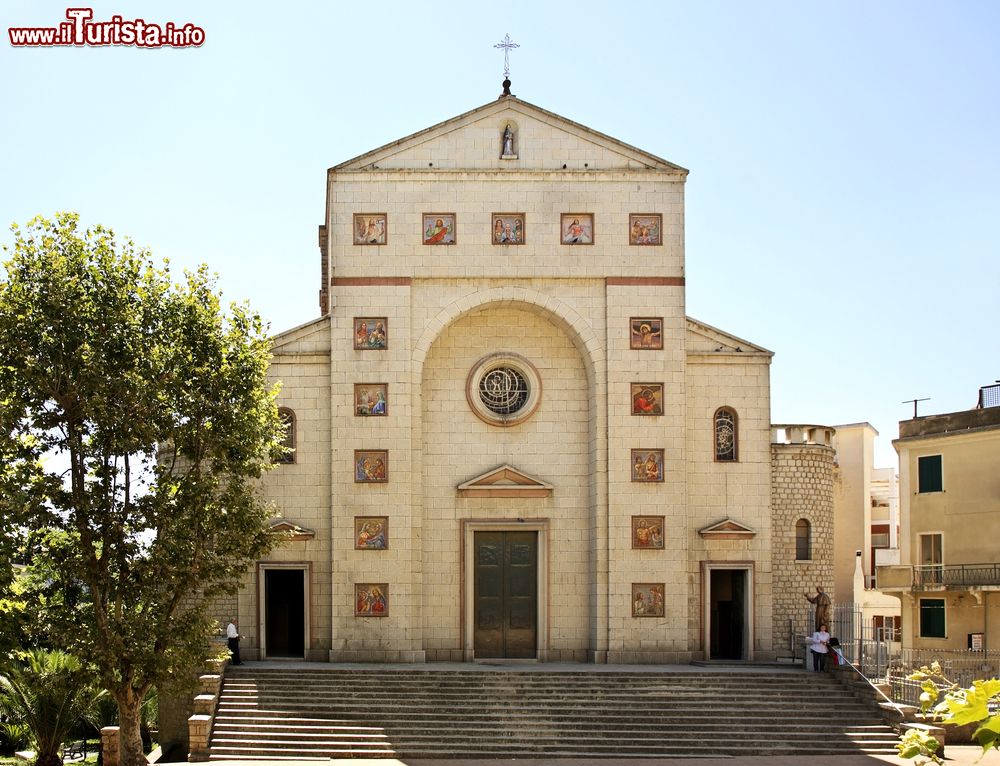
point(939, 577)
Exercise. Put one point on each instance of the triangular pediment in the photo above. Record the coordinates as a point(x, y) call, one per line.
point(505, 481)
point(728, 529)
point(705, 339)
point(472, 141)
point(313, 337)
point(291, 531)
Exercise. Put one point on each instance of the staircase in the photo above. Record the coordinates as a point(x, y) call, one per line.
point(334, 712)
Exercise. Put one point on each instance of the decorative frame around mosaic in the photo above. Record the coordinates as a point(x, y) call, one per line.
point(511, 229)
point(647, 399)
point(371, 466)
point(647, 465)
point(438, 228)
point(576, 228)
point(647, 533)
point(646, 333)
point(371, 333)
point(371, 228)
point(371, 400)
point(645, 229)
point(371, 599)
point(647, 599)
point(371, 533)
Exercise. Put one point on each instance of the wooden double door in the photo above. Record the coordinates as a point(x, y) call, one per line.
point(506, 595)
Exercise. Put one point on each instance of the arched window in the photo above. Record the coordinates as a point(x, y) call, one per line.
point(803, 540)
point(725, 435)
point(288, 442)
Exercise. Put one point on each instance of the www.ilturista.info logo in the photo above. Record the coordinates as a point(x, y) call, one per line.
point(81, 30)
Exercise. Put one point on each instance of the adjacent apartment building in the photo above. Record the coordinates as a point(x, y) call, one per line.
point(949, 570)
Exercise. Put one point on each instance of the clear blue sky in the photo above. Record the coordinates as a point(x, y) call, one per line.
point(842, 206)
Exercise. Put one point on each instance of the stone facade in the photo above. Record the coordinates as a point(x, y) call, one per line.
point(566, 309)
point(801, 489)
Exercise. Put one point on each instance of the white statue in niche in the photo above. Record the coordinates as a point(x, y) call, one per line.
point(508, 142)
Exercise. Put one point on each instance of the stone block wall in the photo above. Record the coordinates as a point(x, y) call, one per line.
point(802, 468)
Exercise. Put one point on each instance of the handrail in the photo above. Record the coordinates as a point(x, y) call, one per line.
point(855, 668)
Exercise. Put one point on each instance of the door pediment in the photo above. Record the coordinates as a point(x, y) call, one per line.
point(505, 481)
point(291, 531)
point(727, 529)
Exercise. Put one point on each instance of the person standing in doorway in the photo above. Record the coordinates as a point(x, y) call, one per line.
point(233, 636)
point(820, 647)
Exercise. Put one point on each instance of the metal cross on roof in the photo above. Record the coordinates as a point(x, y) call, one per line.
point(507, 44)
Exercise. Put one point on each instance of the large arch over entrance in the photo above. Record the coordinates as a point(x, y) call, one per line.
point(492, 307)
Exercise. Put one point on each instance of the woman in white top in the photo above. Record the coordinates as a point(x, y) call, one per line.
point(820, 648)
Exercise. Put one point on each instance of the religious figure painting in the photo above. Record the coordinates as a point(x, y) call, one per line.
point(371, 400)
point(370, 333)
point(576, 228)
point(647, 398)
point(439, 228)
point(646, 333)
point(371, 599)
point(647, 532)
point(647, 599)
point(371, 466)
point(645, 229)
point(647, 465)
point(508, 228)
point(370, 228)
point(371, 533)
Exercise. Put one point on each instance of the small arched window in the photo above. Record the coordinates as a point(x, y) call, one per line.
point(803, 540)
point(288, 441)
point(725, 435)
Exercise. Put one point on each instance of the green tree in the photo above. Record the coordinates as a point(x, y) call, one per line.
point(47, 692)
point(135, 419)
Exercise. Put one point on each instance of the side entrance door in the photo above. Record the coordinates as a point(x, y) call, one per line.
point(727, 607)
point(284, 613)
point(506, 595)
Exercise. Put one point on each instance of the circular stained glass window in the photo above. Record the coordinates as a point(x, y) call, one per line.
point(503, 389)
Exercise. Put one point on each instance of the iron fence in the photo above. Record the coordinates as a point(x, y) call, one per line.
point(960, 667)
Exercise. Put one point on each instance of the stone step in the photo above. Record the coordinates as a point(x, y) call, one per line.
point(525, 714)
point(579, 736)
point(796, 680)
point(553, 690)
point(344, 707)
point(804, 684)
point(309, 725)
point(624, 693)
point(624, 744)
point(500, 752)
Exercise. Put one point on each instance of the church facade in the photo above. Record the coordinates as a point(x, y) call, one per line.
point(510, 440)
